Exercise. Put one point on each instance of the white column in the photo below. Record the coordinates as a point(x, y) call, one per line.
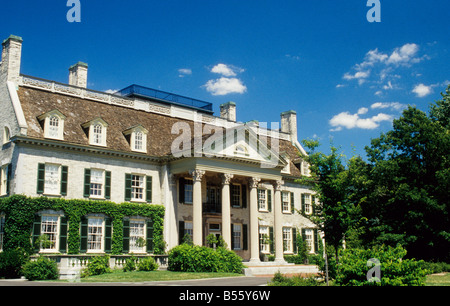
point(226, 210)
point(254, 231)
point(278, 227)
point(197, 206)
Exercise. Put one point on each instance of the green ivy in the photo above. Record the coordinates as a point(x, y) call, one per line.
point(19, 213)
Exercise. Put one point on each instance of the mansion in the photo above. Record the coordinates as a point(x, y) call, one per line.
point(212, 174)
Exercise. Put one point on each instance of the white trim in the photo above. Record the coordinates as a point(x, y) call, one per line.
point(12, 89)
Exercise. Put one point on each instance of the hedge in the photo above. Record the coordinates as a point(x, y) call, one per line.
point(20, 210)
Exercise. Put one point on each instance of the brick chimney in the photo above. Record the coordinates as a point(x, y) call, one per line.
point(228, 111)
point(289, 124)
point(11, 57)
point(78, 74)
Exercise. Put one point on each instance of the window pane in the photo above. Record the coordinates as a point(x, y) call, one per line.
point(49, 228)
point(137, 236)
point(95, 234)
point(52, 184)
point(137, 187)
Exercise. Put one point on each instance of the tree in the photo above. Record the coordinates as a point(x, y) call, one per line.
point(333, 208)
point(409, 171)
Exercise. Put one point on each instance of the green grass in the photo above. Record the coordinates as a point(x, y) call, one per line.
point(441, 279)
point(144, 276)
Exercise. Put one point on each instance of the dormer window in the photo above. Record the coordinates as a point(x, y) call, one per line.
point(53, 123)
point(96, 130)
point(137, 138)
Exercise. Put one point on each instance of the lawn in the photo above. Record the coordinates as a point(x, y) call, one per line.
point(440, 279)
point(159, 275)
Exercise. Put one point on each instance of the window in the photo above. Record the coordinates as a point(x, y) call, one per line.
point(137, 236)
point(137, 138)
point(309, 239)
point(6, 135)
point(235, 195)
point(287, 239)
point(237, 235)
point(188, 191)
point(138, 188)
point(49, 229)
point(97, 181)
point(95, 235)
point(188, 229)
point(96, 130)
point(262, 201)
point(264, 239)
point(53, 123)
point(286, 204)
point(52, 179)
point(5, 175)
point(97, 184)
point(307, 207)
point(2, 230)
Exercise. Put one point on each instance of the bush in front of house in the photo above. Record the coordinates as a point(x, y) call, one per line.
point(188, 258)
point(147, 264)
point(354, 268)
point(11, 262)
point(42, 268)
point(97, 265)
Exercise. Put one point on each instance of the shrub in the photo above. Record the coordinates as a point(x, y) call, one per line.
point(130, 264)
point(395, 271)
point(97, 265)
point(147, 264)
point(41, 269)
point(11, 262)
point(280, 280)
point(188, 258)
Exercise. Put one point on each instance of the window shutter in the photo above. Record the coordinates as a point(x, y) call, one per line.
point(292, 203)
point(41, 178)
point(181, 190)
point(107, 185)
point(63, 235)
point(244, 196)
point(126, 236)
point(271, 238)
point(269, 199)
point(8, 179)
point(87, 183)
point(83, 234)
point(127, 187)
point(244, 237)
point(304, 234)
point(108, 234)
point(149, 236)
point(64, 177)
point(36, 233)
point(149, 189)
point(303, 204)
point(294, 240)
point(313, 202)
point(316, 241)
point(180, 232)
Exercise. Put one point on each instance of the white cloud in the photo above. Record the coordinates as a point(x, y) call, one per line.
point(184, 71)
point(350, 121)
point(226, 70)
point(422, 90)
point(224, 86)
point(357, 75)
point(392, 105)
point(404, 55)
point(111, 91)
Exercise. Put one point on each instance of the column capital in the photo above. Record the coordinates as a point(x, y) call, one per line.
point(254, 181)
point(226, 178)
point(277, 185)
point(197, 174)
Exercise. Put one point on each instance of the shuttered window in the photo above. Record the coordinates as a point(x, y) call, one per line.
point(52, 179)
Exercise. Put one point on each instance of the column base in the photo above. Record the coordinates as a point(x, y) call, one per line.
point(280, 261)
point(254, 260)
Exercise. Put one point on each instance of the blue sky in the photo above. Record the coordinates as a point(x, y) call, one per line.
point(346, 78)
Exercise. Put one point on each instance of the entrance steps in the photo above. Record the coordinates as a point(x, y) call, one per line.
point(270, 268)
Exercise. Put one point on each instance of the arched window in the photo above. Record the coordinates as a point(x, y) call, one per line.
point(97, 137)
point(53, 126)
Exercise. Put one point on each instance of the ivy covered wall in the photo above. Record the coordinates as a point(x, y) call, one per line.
point(20, 212)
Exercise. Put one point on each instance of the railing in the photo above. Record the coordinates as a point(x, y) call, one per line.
point(145, 92)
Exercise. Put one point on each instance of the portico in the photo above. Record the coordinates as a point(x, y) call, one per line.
point(225, 195)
